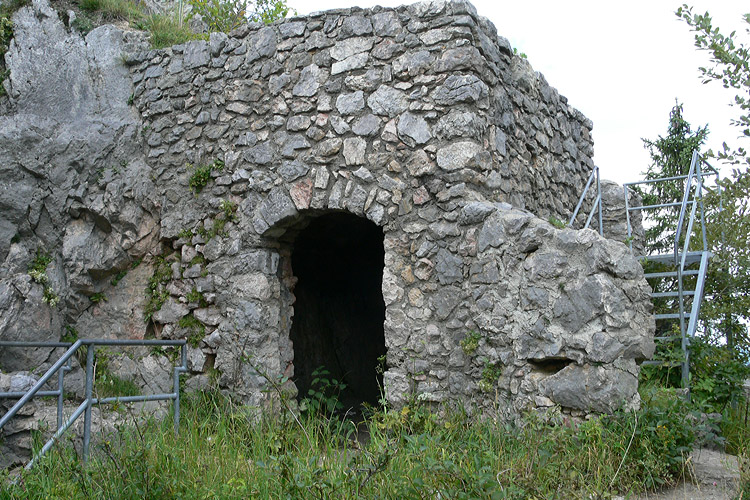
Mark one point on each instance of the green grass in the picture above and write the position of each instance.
(167, 31)
(226, 451)
(195, 329)
(109, 385)
(112, 10)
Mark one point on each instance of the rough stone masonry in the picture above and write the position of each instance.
(365, 190)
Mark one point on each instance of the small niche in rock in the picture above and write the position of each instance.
(549, 365)
(339, 309)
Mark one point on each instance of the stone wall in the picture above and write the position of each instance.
(194, 176)
(428, 95)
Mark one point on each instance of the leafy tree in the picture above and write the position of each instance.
(728, 309)
(226, 15)
(719, 356)
(730, 65)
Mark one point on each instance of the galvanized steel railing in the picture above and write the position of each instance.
(681, 256)
(597, 202)
(62, 365)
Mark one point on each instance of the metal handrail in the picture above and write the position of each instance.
(85, 407)
(597, 201)
(60, 376)
(683, 206)
(681, 256)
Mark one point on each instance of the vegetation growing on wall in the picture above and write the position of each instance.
(226, 15)
(202, 174)
(6, 34)
(156, 291)
(38, 272)
(195, 329)
(171, 28)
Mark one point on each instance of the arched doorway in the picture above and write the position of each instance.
(339, 310)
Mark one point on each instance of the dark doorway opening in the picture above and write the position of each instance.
(339, 310)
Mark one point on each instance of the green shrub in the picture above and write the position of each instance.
(156, 291)
(195, 329)
(229, 209)
(166, 31)
(225, 450)
(6, 34)
(90, 5)
(661, 438)
(107, 384)
(716, 375)
(226, 15)
(220, 15)
(202, 174)
(83, 24)
(470, 343)
(118, 277)
(557, 223)
(323, 395)
(70, 335)
(38, 272)
(490, 373)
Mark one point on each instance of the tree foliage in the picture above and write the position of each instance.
(728, 289)
(670, 157)
(730, 65)
(226, 15)
(720, 354)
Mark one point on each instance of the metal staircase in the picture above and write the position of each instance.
(677, 276)
(63, 365)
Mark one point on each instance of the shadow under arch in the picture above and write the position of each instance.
(334, 261)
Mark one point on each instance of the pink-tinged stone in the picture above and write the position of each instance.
(301, 193)
(421, 196)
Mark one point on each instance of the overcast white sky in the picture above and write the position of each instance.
(621, 63)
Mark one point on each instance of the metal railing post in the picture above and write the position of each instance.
(37, 387)
(60, 381)
(583, 196)
(627, 216)
(89, 400)
(176, 403)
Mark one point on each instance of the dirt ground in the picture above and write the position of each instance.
(713, 475)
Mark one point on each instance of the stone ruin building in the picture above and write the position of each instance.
(367, 190)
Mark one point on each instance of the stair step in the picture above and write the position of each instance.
(661, 363)
(660, 205)
(668, 338)
(670, 274)
(668, 316)
(668, 258)
(673, 294)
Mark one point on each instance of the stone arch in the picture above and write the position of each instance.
(331, 272)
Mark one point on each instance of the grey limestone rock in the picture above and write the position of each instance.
(461, 88)
(366, 125)
(413, 127)
(349, 104)
(387, 101)
(591, 387)
(309, 82)
(457, 155)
